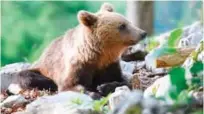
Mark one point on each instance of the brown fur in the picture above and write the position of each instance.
(88, 55)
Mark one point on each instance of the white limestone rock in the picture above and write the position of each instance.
(62, 103)
(8, 73)
(15, 100)
(119, 95)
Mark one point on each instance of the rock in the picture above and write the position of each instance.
(159, 70)
(14, 101)
(131, 99)
(135, 103)
(3, 97)
(119, 95)
(129, 68)
(190, 38)
(159, 88)
(191, 41)
(154, 60)
(134, 53)
(195, 27)
(198, 97)
(162, 85)
(191, 35)
(143, 78)
(8, 73)
(170, 60)
(63, 103)
(139, 65)
(14, 89)
(198, 55)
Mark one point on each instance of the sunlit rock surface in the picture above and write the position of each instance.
(8, 73)
(14, 101)
(190, 37)
(62, 103)
(162, 85)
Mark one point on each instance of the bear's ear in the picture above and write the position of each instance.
(107, 7)
(86, 18)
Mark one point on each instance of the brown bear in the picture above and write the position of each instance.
(87, 56)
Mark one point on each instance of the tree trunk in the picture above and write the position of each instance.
(140, 13)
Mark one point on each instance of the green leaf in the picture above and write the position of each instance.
(151, 43)
(197, 67)
(196, 80)
(99, 105)
(178, 81)
(174, 37)
(173, 93)
(77, 101)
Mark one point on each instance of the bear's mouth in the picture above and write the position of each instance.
(131, 42)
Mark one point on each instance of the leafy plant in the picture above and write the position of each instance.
(196, 68)
(151, 43)
(178, 81)
(174, 37)
(179, 90)
(99, 105)
(169, 46)
(77, 101)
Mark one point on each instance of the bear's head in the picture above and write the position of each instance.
(111, 26)
(112, 30)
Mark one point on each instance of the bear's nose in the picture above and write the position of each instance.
(143, 35)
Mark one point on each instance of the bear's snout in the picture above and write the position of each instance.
(143, 35)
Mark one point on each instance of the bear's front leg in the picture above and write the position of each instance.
(78, 80)
(106, 88)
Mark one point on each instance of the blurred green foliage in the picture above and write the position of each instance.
(179, 90)
(100, 105)
(174, 37)
(28, 27)
(177, 77)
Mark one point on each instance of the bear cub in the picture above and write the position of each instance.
(85, 58)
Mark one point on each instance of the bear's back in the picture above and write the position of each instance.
(51, 62)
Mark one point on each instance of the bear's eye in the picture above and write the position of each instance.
(122, 27)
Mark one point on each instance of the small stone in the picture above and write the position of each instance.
(8, 73)
(159, 88)
(15, 100)
(118, 96)
(198, 96)
(3, 97)
(8, 111)
(14, 88)
(130, 103)
(62, 103)
(127, 66)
